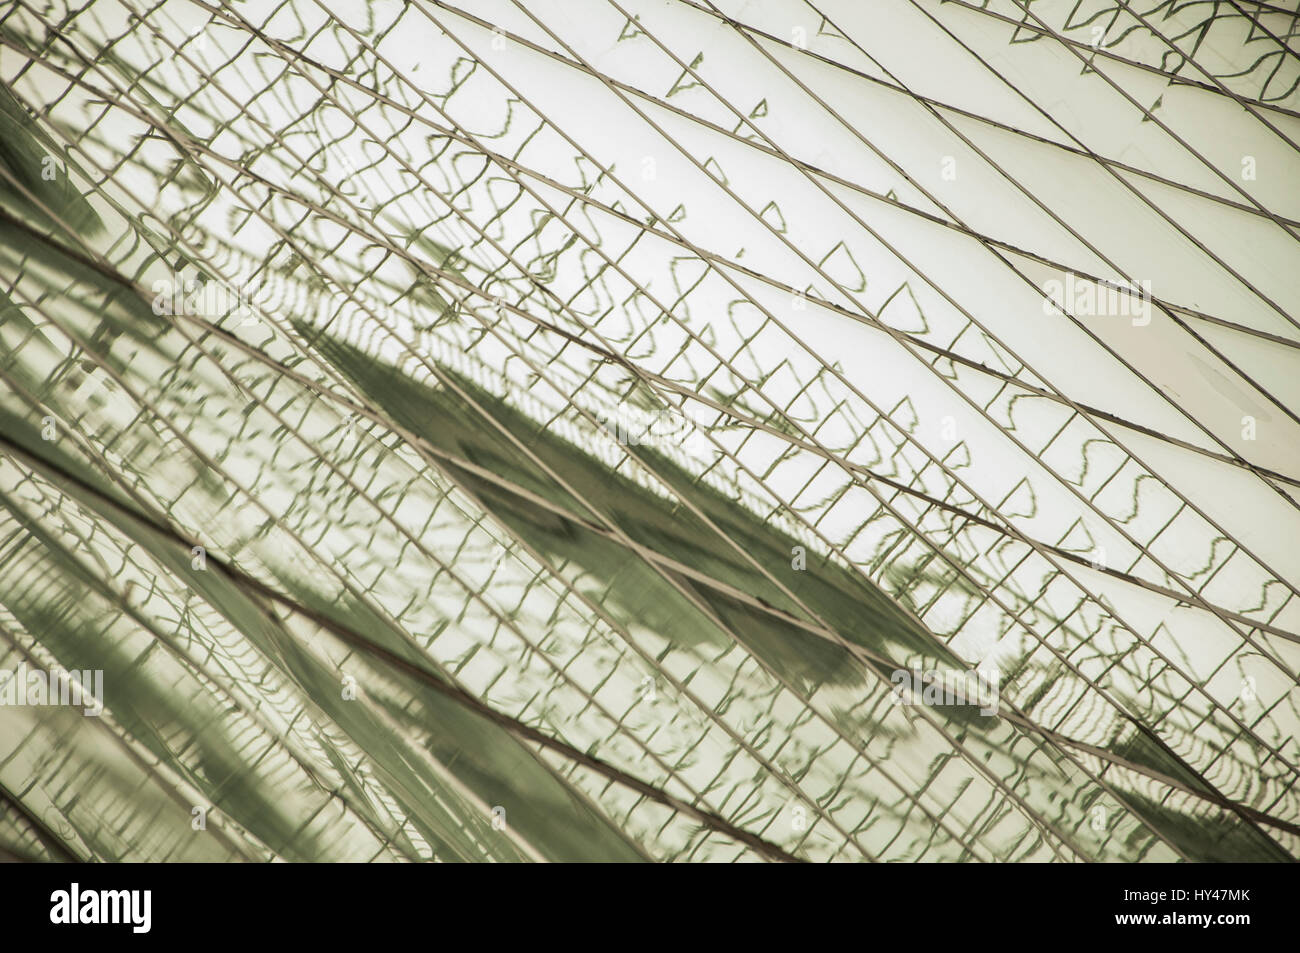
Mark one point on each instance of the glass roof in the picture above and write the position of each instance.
(550, 431)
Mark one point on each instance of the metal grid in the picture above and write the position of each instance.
(1023, 515)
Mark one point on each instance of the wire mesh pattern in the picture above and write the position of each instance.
(541, 431)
